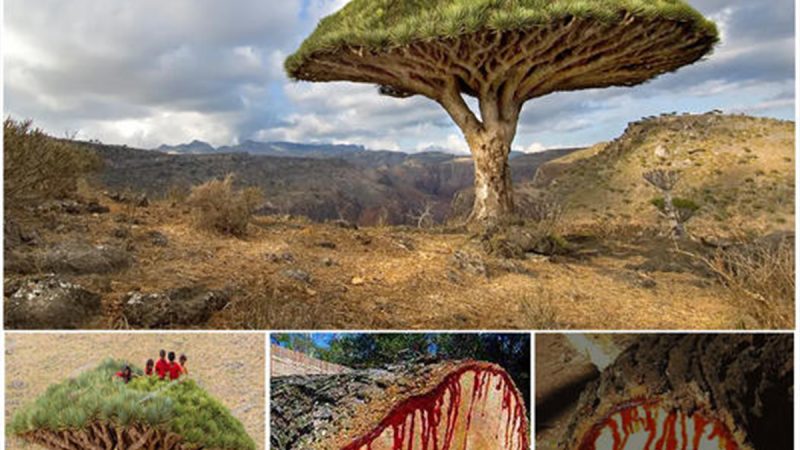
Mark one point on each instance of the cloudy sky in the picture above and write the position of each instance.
(148, 72)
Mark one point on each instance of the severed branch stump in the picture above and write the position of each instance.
(442, 406)
(692, 392)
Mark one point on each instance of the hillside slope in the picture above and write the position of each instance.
(739, 169)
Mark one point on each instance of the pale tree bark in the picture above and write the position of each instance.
(489, 139)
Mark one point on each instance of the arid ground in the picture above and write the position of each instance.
(608, 262)
(229, 367)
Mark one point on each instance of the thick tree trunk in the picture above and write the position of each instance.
(692, 392)
(494, 202)
(441, 406)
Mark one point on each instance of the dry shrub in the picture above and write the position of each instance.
(38, 167)
(760, 275)
(220, 207)
(538, 311)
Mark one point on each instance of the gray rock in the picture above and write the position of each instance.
(469, 262)
(285, 257)
(96, 208)
(50, 303)
(297, 274)
(83, 258)
(182, 306)
(158, 239)
(328, 262)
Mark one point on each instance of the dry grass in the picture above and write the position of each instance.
(391, 278)
(220, 207)
(760, 276)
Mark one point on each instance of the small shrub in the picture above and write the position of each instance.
(760, 274)
(38, 167)
(220, 207)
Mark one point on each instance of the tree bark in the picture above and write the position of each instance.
(686, 391)
(432, 406)
(494, 202)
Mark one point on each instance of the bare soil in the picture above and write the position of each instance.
(293, 274)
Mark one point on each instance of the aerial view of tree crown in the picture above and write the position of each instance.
(503, 53)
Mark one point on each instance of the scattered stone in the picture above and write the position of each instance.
(97, 208)
(50, 303)
(121, 233)
(297, 274)
(17, 384)
(16, 235)
(345, 224)
(404, 242)
(182, 306)
(469, 262)
(157, 238)
(328, 262)
(327, 244)
(142, 201)
(285, 257)
(357, 281)
(82, 258)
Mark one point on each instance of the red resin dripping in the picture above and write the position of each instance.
(627, 417)
(427, 409)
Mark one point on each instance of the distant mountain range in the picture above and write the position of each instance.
(294, 150)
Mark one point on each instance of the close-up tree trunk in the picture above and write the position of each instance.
(694, 392)
(440, 406)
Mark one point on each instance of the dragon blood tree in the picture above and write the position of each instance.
(690, 392)
(93, 411)
(443, 406)
(504, 53)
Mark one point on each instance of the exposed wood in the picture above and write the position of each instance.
(439, 406)
(732, 390)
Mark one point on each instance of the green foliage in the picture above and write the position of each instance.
(182, 407)
(677, 203)
(38, 167)
(379, 24)
(685, 204)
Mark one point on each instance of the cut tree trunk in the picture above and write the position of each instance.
(442, 406)
(494, 202)
(690, 392)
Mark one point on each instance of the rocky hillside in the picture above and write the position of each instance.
(738, 169)
(322, 183)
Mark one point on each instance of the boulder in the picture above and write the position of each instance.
(182, 306)
(50, 303)
(82, 258)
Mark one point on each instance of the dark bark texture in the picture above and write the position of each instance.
(743, 380)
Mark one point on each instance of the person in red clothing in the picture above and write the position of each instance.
(175, 369)
(125, 374)
(162, 366)
(148, 368)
